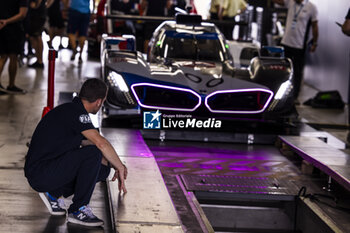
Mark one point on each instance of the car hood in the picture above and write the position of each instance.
(202, 77)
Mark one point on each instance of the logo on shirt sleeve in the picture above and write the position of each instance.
(85, 119)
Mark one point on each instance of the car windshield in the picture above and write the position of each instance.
(199, 47)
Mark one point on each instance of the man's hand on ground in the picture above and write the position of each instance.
(125, 171)
(2, 23)
(121, 175)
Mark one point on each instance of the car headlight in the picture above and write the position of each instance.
(284, 89)
(116, 80)
(283, 92)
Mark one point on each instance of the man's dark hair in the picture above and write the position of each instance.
(93, 89)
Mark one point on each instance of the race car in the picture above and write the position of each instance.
(189, 69)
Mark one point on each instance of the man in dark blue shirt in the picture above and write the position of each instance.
(67, 156)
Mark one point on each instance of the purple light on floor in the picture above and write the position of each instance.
(192, 160)
(226, 156)
(234, 185)
(239, 191)
(243, 168)
(172, 165)
(165, 87)
(236, 177)
(206, 166)
(209, 167)
(200, 172)
(210, 153)
(161, 159)
(215, 161)
(243, 162)
(142, 154)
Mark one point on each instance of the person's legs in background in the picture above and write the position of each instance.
(82, 31)
(3, 59)
(72, 29)
(228, 29)
(12, 71)
(73, 44)
(35, 35)
(26, 39)
(38, 46)
(298, 71)
(10, 47)
(297, 57)
(81, 40)
(56, 23)
(55, 31)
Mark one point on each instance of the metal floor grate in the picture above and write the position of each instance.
(238, 184)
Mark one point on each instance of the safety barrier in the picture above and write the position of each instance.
(51, 82)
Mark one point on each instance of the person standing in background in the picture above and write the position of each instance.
(152, 8)
(78, 24)
(228, 9)
(301, 13)
(176, 3)
(56, 20)
(37, 18)
(12, 12)
(214, 9)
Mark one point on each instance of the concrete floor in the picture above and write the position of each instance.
(334, 121)
(21, 207)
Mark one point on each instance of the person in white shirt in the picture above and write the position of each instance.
(295, 39)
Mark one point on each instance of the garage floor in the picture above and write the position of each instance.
(21, 207)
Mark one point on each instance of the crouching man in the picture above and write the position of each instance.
(67, 156)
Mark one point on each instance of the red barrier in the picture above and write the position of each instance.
(51, 82)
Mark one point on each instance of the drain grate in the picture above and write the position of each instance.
(238, 184)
